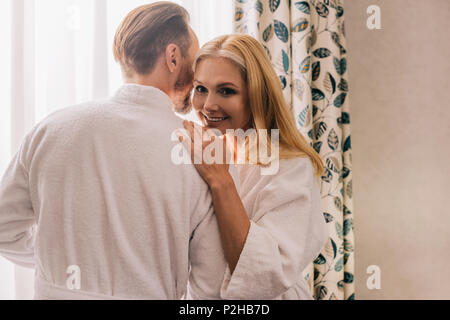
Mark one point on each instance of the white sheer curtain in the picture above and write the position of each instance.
(57, 53)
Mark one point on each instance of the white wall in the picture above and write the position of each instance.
(400, 96)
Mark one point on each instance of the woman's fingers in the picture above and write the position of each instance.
(189, 126)
(204, 138)
(185, 137)
(195, 134)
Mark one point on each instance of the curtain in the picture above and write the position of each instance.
(57, 53)
(305, 41)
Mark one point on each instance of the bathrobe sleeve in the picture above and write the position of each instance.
(17, 219)
(206, 258)
(287, 232)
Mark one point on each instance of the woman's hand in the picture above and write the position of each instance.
(212, 168)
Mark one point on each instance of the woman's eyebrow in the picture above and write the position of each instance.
(220, 85)
(225, 84)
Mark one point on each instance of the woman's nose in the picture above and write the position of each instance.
(211, 105)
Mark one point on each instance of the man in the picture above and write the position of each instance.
(92, 200)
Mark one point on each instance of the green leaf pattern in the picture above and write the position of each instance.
(305, 40)
(281, 31)
(268, 33)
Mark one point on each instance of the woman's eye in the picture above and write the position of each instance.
(227, 91)
(200, 89)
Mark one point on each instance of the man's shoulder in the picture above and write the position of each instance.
(76, 110)
(57, 121)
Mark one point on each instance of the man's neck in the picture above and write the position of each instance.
(154, 79)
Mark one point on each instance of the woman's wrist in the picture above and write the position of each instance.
(219, 183)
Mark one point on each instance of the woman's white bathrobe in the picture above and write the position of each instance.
(94, 186)
(287, 232)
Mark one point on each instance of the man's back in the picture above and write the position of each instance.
(109, 202)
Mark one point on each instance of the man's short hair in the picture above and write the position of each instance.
(146, 32)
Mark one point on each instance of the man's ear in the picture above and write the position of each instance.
(172, 57)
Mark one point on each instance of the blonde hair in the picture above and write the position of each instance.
(145, 33)
(265, 96)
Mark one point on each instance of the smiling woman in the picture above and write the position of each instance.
(270, 226)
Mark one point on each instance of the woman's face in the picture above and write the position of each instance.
(220, 95)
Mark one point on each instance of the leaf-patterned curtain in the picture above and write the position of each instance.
(305, 41)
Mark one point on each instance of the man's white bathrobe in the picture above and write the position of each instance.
(287, 232)
(93, 186)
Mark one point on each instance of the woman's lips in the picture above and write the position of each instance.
(211, 119)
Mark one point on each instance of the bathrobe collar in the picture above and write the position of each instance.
(131, 93)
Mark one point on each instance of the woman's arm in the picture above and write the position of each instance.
(232, 218)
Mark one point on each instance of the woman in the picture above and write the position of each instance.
(271, 226)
